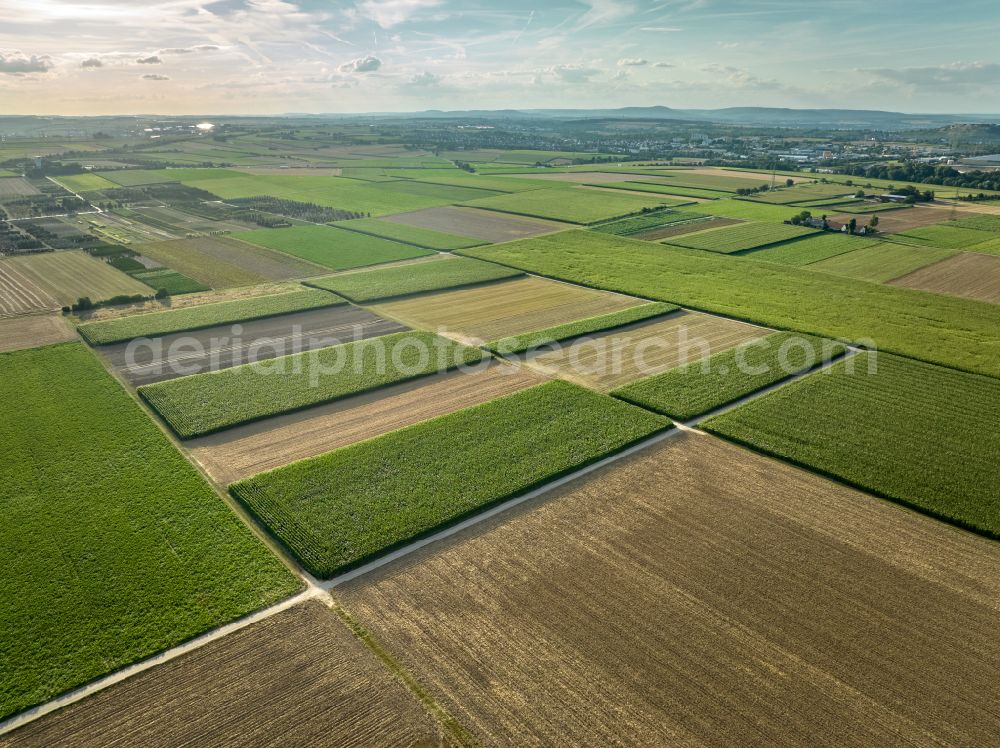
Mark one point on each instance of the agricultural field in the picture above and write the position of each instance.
(811, 249)
(96, 585)
(891, 426)
(881, 261)
(33, 331)
(63, 276)
(400, 232)
(204, 403)
(644, 223)
(746, 210)
(696, 592)
(482, 225)
(952, 237)
(388, 283)
(16, 187)
(509, 308)
(894, 221)
(104, 332)
(697, 388)
(742, 237)
(680, 228)
(85, 182)
(982, 222)
(334, 248)
(298, 677)
(866, 207)
(606, 362)
(243, 451)
(452, 193)
(577, 205)
(165, 279)
(710, 180)
(367, 498)
(802, 193)
(221, 262)
(967, 274)
(960, 333)
(670, 191)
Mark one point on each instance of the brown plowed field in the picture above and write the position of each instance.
(892, 221)
(33, 331)
(698, 594)
(974, 276)
(484, 225)
(298, 678)
(247, 450)
(510, 307)
(604, 362)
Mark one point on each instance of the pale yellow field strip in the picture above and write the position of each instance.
(33, 331)
(497, 310)
(695, 593)
(20, 292)
(66, 276)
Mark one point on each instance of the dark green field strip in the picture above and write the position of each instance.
(204, 403)
(979, 222)
(810, 249)
(689, 391)
(332, 247)
(740, 237)
(960, 333)
(112, 546)
(208, 315)
(415, 235)
(921, 434)
(604, 322)
(645, 222)
(389, 283)
(169, 280)
(345, 507)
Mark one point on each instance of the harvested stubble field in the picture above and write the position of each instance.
(152, 324)
(696, 593)
(967, 274)
(918, 433)
(342, 508)
(415, 235)
(513, 307)
(300, 677)
(16, 187)
(204, 403)
(337, 249)
(392, 282)
(742, 237)
(244, 451)
(881, 261)
(961, 333)
(895, 221)
(219, 262)
(811, 249)
(605, 362)
(113, 547)
(63, 276)
(576, 205)
(32, 331)
(483, 225)
(689, 391)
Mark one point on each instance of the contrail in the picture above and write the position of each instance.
(531, 17)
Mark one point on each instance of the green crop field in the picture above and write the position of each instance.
(710, 181)
(689, 391)
(112, 546)
(153, 324)
(863, 207)
(498, 184)
(331, 247)
(339, 509)
(881, 261)
(918, 433)
(137, 177)
(447, 192)
(981, 222)
(85, 182)
(961, 333)
(601, 323)
(575, 205)
(809, 192)
(415, 235)
(203, 403)
(636, 224)
(952, 236)
(168, 280)
(663, 189)
(744, 209)
(387, 283)
(738, 238)
(811, 249)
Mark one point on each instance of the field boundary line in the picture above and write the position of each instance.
(82, 692)
(330, 584)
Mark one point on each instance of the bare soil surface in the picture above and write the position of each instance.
(699, 594)
(892, 221)
(215, 348)
(484, 225)
(33, 331)
(247, 450)
(969, 274)
(298, 678)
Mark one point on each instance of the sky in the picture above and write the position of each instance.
(281, 56)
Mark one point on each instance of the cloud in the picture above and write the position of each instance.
(602, 12)
(92, 62)
(16, 63)
(575, 73)
(151, 60)
(155, 77)
(189, 50)
(661, 29)
(632, 62)
(425, 79)
(389, 13)
(955, 77)
(663, 65)
(368, 64)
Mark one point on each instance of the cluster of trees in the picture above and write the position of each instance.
(13, 241)
(266, 204)
(743, 191)
(915, 171)
(806, 217)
